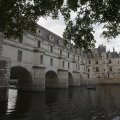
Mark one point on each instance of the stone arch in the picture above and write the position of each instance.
(70, 79)
(23, 76)
(51, 79)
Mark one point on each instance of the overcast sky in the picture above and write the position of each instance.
(58, 26)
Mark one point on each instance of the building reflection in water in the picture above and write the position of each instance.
(63, 104)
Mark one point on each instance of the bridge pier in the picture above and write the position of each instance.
(4, 76)
(63, 78)
(4, 73)
(38, 78)
(76, 78)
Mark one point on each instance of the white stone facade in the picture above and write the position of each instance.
(104, 66)
(42, 60)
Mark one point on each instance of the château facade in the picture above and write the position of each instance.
(42, 60)
(105, 65)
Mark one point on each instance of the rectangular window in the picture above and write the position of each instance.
(68, 55)
(110, 68)
(51, 49)
(60, 51)
(97, 69)
(51, 62)
(96, 62)
(39, 44)
(68, 65)
(63, 64)
(89, 62)
(19, 56)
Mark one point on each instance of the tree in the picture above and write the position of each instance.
(17, 16)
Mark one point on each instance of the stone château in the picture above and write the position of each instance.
(42, 60)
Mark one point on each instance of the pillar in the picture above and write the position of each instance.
(38, 78)
(76, 78)
(63, 78)
(4, 73)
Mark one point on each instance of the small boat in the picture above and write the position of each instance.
(91, 88)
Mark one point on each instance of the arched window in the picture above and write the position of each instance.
(41, 59)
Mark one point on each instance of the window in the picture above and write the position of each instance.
(97, 69)
(68, 65)
(68, 55)
(39, 44)
(88, 76)
(51, 49)
(41, 59)
(19, 56)
(110, 61)
(39, 31)
(118, 62)
(63, 64)
(51, 62)
(88, 70)
(89, 62)
(76, 66)
(60, 51)
(78, 58)
(110, 68)
(96, 62)
(84, 68)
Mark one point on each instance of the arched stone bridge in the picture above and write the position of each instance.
(42, 60)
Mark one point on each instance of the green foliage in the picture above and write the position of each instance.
(17, 16)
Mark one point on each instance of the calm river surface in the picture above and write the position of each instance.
(63, 104)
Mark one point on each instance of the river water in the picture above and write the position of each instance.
(63, 104)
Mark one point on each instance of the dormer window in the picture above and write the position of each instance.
(60, 42)
(39, 32)
(68, 46)
(51, 38)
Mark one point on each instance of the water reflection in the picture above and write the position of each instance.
(63, 104)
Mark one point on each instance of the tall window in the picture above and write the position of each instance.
(97, 69)
(51, 49)
(96, 62)
(41, 59)
(76, 66)
(68, 55)
(63, 64)
(110, 68)
(19, 56)
(51, 61)
(39, 44)
(68, 65)
(110, 61)
(60, 51)
(89, 62)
